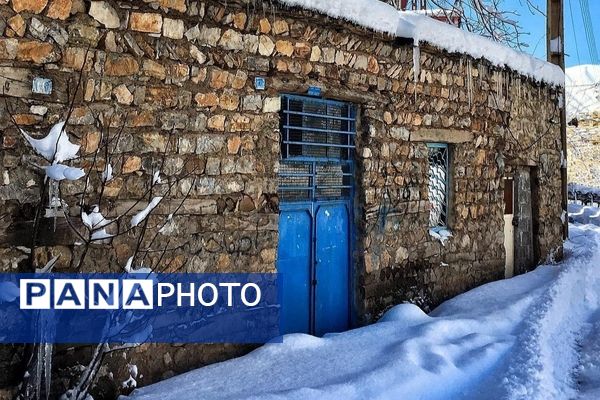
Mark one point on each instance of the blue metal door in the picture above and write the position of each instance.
(316, 186)
(332, 268)
(294, 264)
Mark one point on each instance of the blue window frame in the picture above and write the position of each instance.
(317, 149)
(439, 184)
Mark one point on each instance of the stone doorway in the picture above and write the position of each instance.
(523, 225)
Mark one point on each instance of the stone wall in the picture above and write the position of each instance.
(179, 75)
(498, 122)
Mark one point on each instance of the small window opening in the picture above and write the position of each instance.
(439, 183)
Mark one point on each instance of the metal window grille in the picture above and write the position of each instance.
(317, 148)
(438, 184)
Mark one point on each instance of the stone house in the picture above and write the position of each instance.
(368, 170)
(583, 128)
(583, 140)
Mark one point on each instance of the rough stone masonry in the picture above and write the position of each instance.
(179, 74)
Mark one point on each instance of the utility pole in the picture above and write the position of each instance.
(555, 48)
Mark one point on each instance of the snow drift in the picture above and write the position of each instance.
(584, 214)
(513, 339)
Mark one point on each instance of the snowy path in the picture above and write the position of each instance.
(536, 336)
(588, 373)
(545, 359)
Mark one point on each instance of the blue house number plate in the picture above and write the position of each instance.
(41, 85)
(260, 83)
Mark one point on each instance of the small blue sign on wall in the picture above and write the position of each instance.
(260, 83)
(314, 91)
(41, 85)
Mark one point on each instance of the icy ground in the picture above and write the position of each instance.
(535, 336)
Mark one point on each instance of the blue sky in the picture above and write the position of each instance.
(536, 26)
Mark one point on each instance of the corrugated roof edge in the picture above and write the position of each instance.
(382, 17)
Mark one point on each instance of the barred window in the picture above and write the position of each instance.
(317, 129)
(317, 149)
(438, 184)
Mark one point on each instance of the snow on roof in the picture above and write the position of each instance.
(583, 90)
(382, 17)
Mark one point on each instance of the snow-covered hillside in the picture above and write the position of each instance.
(583, 90)
(536, 336)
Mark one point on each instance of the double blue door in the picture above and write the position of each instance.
(316, 186)
(314, 263)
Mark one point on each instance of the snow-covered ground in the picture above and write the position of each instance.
(536, 336)
(584, 214)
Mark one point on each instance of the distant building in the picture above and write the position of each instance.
(583, 130)
(450, 16)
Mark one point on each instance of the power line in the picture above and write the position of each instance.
(589, 30)
(586, 26)
(574, 33)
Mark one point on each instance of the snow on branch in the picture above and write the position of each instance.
(107, 174)
(142, 215)
(56, 146)
(59, 172)
(140, 270)
(96, 223)
(156, 178)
